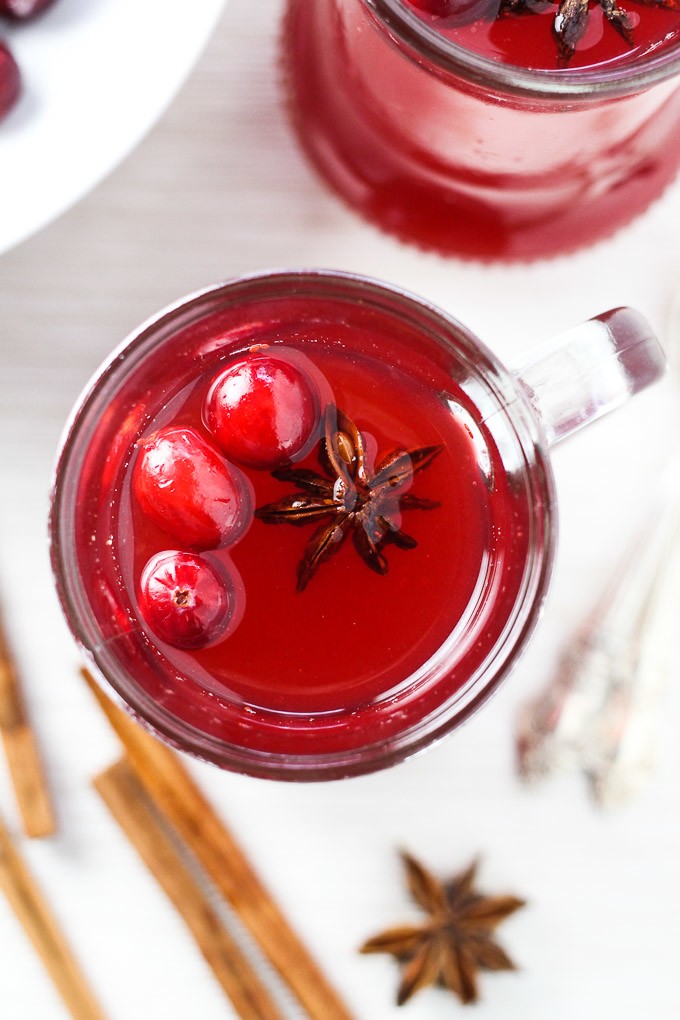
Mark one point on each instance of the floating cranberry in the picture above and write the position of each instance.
(10, 80)
(185, 599)
(440, 8)
(263, 410)
(21, 10)
(188, 489)
(458, 12)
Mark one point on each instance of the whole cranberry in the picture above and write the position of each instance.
(263, 410)
(183, 484)
(185, 599)
(458, 12)
(440, 8)
(21, 10)
(10, 80)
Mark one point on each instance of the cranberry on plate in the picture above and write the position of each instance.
(22, 10)
(10, 80)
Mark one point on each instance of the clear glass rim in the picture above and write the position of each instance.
(102, 662)
(585, 85)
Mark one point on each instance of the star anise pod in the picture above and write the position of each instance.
(572, 16)
(350, 496)
(457, 939)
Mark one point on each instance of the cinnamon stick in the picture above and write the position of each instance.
(170, 786)
(32, 911)
(21, 749)
(129, 804)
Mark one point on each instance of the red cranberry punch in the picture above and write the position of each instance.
(303, 523)
(498, 129)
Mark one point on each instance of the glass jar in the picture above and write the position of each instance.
(467, 156)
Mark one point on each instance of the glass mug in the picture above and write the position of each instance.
(467, 156)
(418, 430)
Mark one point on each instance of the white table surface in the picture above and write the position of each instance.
(217, 189)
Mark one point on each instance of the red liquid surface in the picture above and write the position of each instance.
(355, 656)
(527, 40)
(468, 170)
(351, 634)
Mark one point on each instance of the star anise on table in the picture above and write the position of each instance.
(350, 496)
(457, 939)
(572, 16)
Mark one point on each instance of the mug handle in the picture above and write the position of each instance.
(581, 374)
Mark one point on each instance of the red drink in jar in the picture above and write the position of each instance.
(473, 133)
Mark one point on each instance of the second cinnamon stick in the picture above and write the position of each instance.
(127, 801)
(171, 787)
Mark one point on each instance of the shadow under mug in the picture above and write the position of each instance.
(511, 417)
(468, 156)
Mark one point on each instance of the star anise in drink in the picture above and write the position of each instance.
(349, 495)
(457, 939)
(572, 16)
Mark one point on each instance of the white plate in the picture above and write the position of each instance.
(97, 74)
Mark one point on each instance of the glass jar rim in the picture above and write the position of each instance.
(407, 29)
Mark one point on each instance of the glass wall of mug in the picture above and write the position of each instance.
(423, 506)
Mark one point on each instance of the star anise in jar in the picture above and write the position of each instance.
(457, 939)
(572, 16)
(350, 496)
